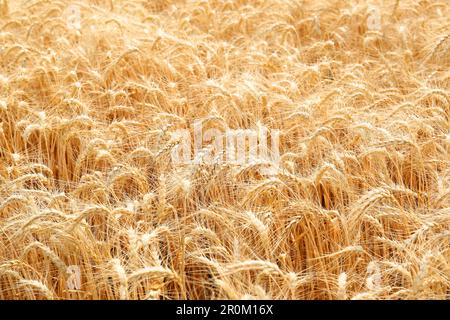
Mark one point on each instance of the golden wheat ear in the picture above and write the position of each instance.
(4, 8)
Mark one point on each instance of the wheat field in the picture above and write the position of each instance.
(92, 91)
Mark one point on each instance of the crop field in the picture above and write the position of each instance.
(224, 149)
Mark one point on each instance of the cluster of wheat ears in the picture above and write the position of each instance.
(359, 207)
